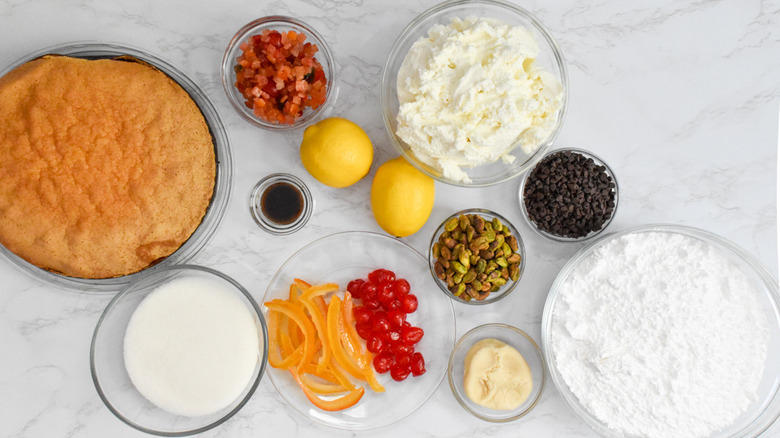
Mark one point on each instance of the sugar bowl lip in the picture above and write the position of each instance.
(587, 154)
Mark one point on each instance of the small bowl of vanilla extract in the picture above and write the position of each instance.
(281, 204)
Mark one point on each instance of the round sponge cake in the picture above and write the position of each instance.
(106, 166)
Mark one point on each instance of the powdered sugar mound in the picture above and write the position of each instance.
(660, 335)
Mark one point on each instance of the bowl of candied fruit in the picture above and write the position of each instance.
(279, 73)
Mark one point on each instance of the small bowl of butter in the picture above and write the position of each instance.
(496, 372)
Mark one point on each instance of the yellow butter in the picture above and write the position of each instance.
(496, 375)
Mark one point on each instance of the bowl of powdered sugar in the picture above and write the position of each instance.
(666, 331)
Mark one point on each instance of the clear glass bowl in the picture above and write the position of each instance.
(279, 23)
(550, 58)
(222, 186)
(267, 224)
(765, 410)
(340, 258)
(513, 337)
(555, 237)
(506, 289)
(107, 358)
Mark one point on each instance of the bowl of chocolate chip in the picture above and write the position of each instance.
(570, 195)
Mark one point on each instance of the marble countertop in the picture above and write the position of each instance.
(679, 97)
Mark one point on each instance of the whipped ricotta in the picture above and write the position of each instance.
(471, 91)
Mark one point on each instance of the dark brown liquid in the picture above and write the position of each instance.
(282, 203)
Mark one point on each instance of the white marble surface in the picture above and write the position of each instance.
(679, 97)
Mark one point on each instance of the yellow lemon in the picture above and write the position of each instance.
(336, 152)
(401, 197)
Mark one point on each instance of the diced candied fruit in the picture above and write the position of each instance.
(278, 76)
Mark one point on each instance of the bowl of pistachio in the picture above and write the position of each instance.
(476, 256)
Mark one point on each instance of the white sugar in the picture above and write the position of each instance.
(660, 335)
(191, 346)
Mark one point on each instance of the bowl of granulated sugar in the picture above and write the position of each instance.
(666, 331)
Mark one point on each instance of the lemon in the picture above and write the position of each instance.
(401, 197)
(336, 152)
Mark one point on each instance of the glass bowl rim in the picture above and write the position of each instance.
(370, 234)
(223, 182)
(587, 154)
(262, 361)
(713, 239)
(513, 330)
(501, 294)
(262, 23)
(407, 32)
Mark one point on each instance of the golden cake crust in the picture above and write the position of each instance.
(106, 166)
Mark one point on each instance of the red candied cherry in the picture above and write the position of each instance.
(372, 304)
(402, 350)
(353, 287)
(362, 315)
(396, 317)
(392, 336)
(380, 276)
(411, 335)
(368, 291)
(373, 276)
(364, 331)
(380, 323)
(399, 373)
(418, 364)
(385, 295)
(401, 287)
(409, 303)
(387, 276)
(387, 347)
(383, 362)
(393, 305)
(404, 360)
(375, 344)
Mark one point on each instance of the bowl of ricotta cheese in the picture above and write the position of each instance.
(474, 92)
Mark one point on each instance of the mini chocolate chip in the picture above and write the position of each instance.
(569, 195)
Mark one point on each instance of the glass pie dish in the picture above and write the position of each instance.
(222, 185)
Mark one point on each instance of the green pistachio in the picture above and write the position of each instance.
(451, 224)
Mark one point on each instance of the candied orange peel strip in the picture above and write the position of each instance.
(335, 332)
(295, 313)
(338, 404)
(317, 343)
